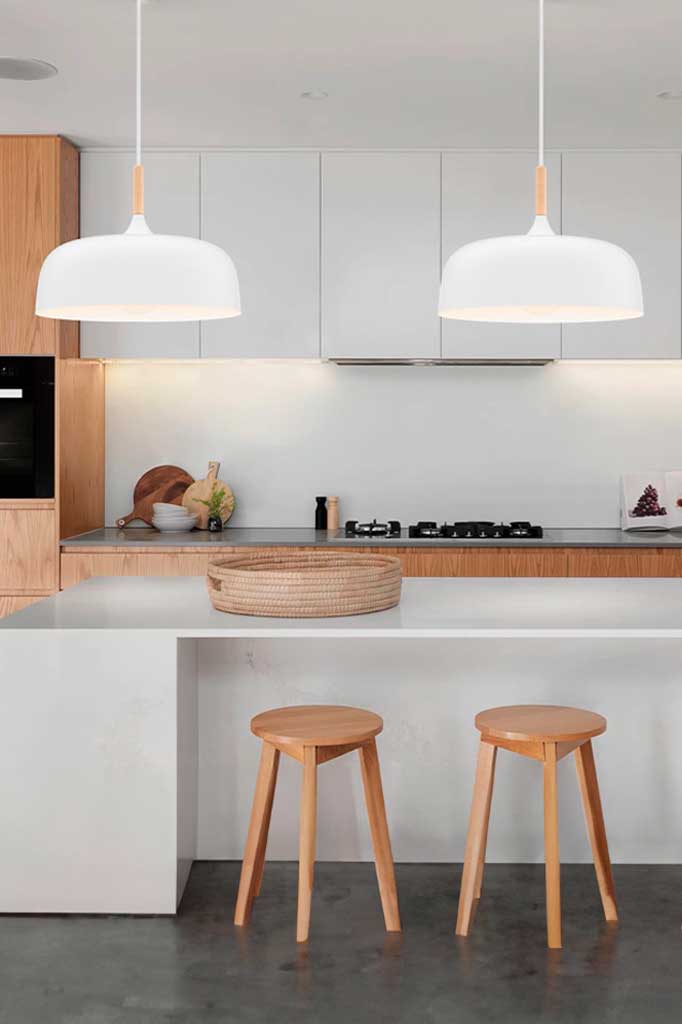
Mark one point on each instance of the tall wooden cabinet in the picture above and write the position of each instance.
(38, 211)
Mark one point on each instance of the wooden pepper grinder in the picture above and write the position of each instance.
(332, 514)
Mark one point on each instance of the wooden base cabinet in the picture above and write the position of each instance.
(28, 554)
(79, 564)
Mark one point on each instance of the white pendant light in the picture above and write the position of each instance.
(138, 276)
(540, 277)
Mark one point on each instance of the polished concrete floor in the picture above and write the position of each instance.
(198, 969)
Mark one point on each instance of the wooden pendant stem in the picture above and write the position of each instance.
(138, 189)
(541, 190)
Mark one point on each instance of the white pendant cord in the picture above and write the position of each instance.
(541, 82)
(138, 170)
(138, 92)
(541, 224)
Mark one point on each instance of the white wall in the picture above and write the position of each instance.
(428, 693)
(544, 443)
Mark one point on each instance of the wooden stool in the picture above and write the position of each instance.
(313, 735)
(547, 734)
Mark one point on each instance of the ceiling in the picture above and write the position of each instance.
(437, 73)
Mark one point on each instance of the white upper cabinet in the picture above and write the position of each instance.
(172, 207)
(485, 195)
(632, 199)
(264, 210)
(380, 255)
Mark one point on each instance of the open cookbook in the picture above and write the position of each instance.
(651, 501)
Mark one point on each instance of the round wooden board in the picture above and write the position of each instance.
(201, 490)
(161, 483)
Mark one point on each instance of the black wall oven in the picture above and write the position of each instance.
(27, 427)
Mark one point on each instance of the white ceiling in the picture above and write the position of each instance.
(433, 73)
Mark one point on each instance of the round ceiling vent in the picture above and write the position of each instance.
(25, 69)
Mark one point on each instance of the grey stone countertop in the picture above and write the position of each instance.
(146, 537)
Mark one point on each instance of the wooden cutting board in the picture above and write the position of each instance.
(162, 483)
(202, 491)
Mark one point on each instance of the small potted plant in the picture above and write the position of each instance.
(216, 506)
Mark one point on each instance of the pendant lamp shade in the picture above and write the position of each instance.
(138, 276)
(540, 278)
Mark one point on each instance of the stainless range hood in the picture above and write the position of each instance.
(440, 362)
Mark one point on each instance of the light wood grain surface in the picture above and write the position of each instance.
(546, 723)
(317, 725)
(39, 209)
(28, 554)
(80, 424)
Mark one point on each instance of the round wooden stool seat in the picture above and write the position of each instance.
(317, 725)
(540, 723)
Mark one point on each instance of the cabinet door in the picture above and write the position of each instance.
(264, 210)
(28, 556)
(486, 195)
(38, 211)
(380, 255)
(632, 199)
(172, 208)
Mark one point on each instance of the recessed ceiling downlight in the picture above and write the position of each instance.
(26, 69)
(670, 94)
(315, 94)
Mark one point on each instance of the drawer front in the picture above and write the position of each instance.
(76, 567)
(28, 554)
(645, 562)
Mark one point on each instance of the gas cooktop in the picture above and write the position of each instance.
(479, 529)
(431, 530)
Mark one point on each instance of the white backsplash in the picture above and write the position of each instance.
(542, 443)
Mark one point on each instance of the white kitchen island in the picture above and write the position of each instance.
(125, 750)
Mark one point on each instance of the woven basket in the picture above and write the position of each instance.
(304, 584)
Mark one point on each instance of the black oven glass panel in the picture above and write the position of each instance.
(26, 427)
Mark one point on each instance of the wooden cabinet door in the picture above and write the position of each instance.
(28, 554)
(633, 200)
(38, 211)
(171, 208)
(486, 195)
(264, 210)
(380, 255)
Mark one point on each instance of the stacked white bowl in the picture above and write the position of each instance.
(172, 518)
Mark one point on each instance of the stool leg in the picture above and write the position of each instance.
(552, 865)
(381, 840)
(306, 856)
(262, 847)
(257, 834)
(589, 790)
(484, 844)
(480, 807)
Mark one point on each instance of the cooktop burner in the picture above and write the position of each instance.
(475, 529)
(373, 529)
